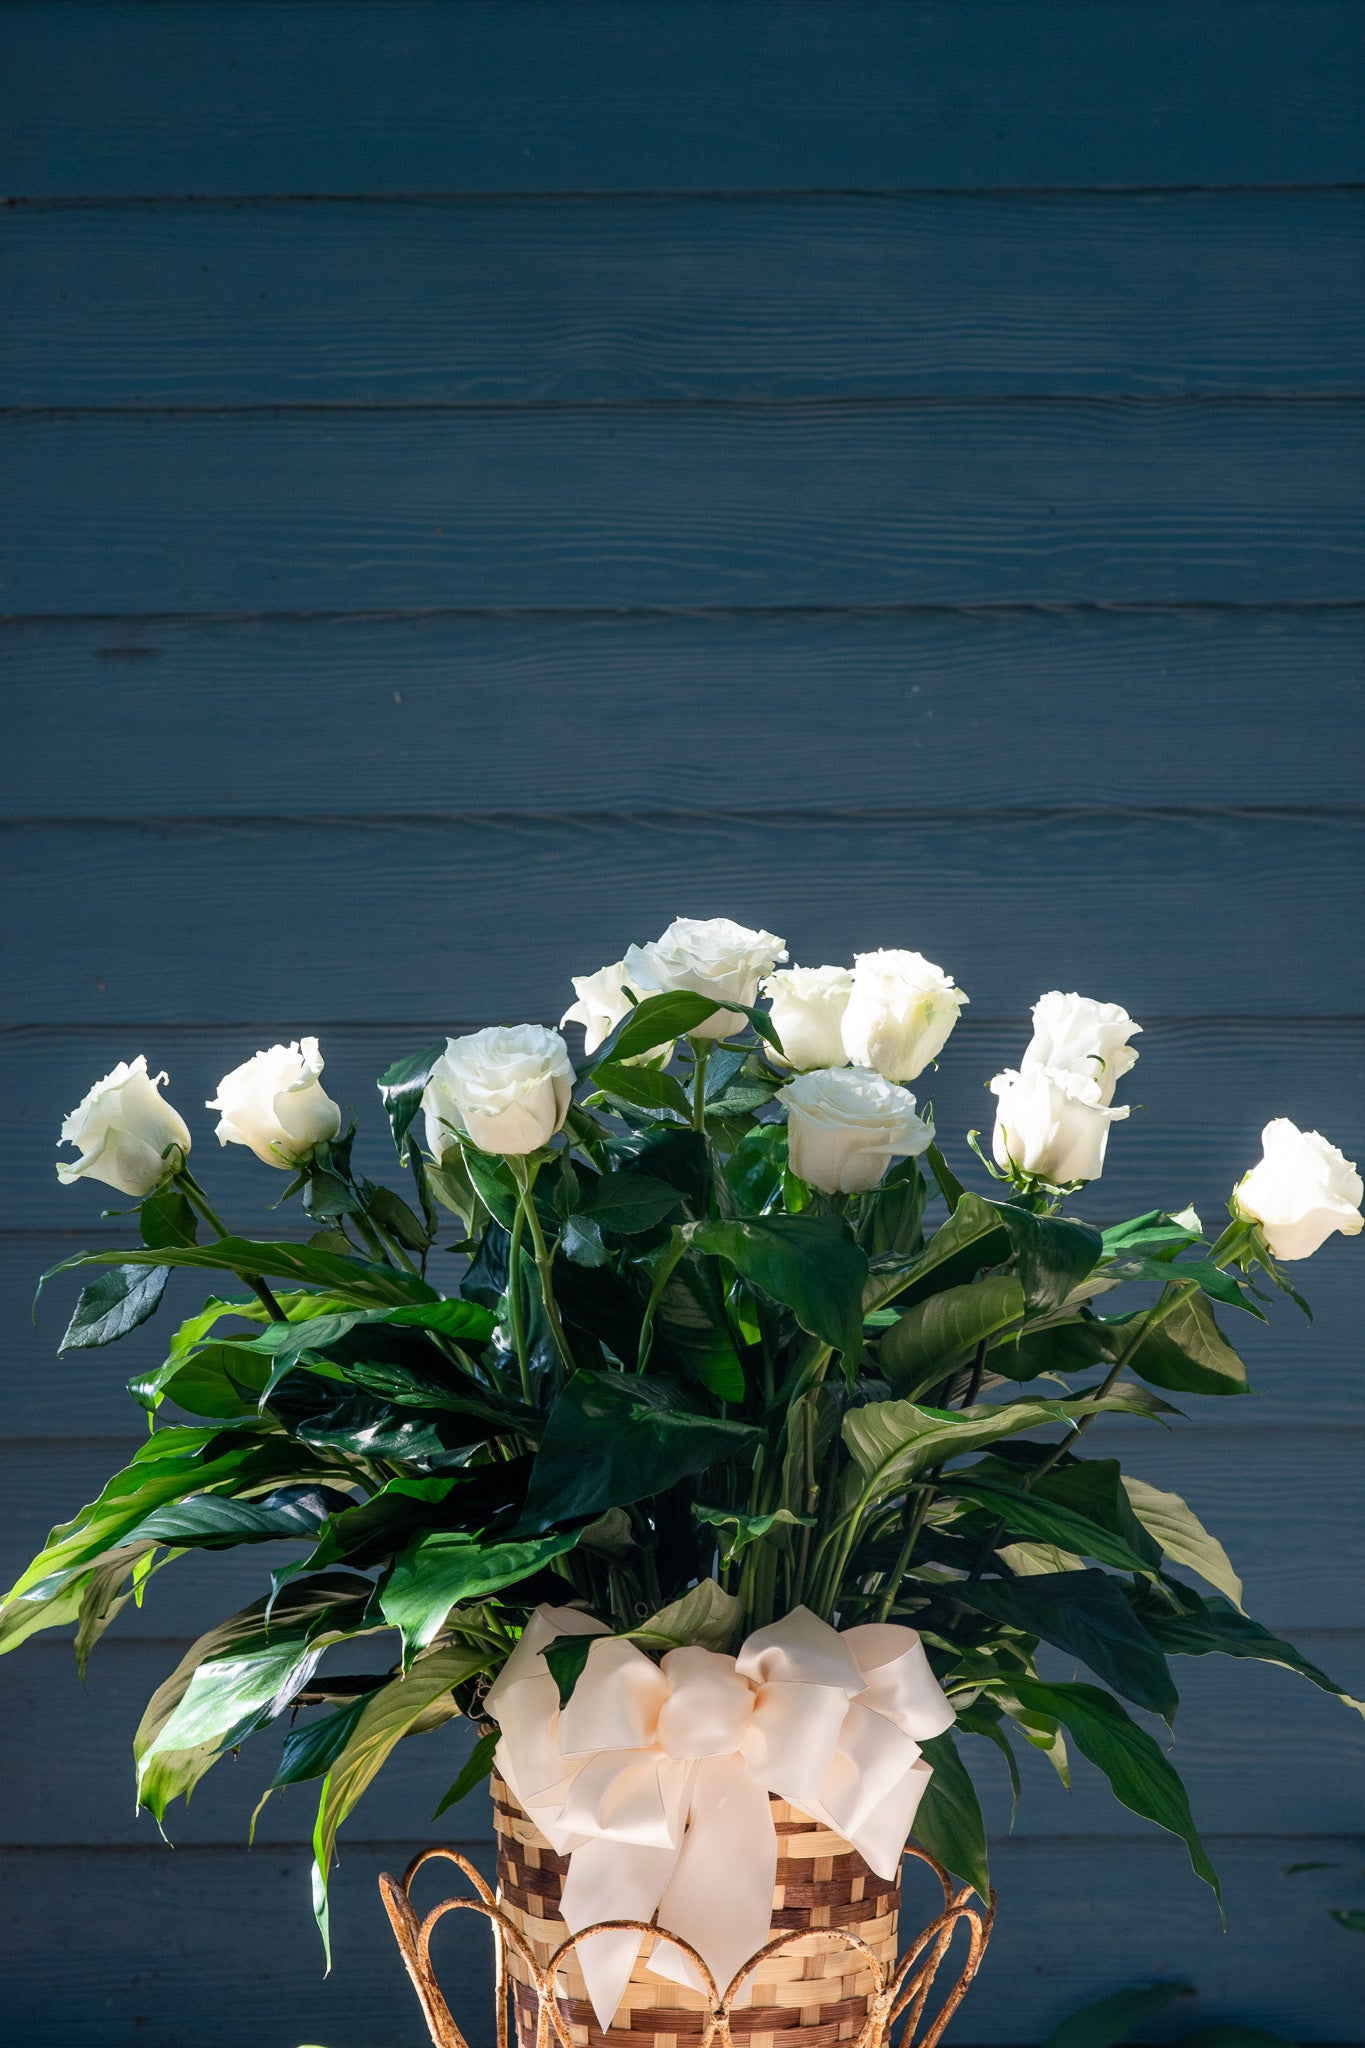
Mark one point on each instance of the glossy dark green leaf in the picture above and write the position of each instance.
(353, 1279)
(627, 1203)
(167, 1218)
(1054, 1255)
(754, 1170)
(1149, 1233)
(567, 1659)
(893, 1441)
(1087, 1615)
(115, 1304)
(477, 1767)
(739, 1530)
(1185, 1351)
(946, 1328)
(613, 1438)
(972, 1239)
(646, 1088)
(1138, 1773)
(392, 1213)
(444, 1567)
(1110, 2020)
(1206, 1623)
(657, 1020)
(1034, 1515)
(693, 1330)
(311, 1750)
(948, 1822)
(401, 1089)
(1066, 1348)
(215, 1521)
(1094, 1487)
(809, 1264)
(893, 1213)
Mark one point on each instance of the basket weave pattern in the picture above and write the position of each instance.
(817, 1983)
(829, 1974)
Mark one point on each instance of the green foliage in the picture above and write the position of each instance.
(667, 1383)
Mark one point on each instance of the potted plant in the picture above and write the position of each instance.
(731, 1473)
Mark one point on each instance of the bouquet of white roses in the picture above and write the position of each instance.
(726, 1355)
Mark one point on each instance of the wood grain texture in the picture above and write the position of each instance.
(834, 297)
(762, 711)
(943, 502)
(337, 920)
(152, 1943)
(1261, 1752)
(1300, 1551)
(682, 94)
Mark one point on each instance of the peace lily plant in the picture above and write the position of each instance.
(717, 1343)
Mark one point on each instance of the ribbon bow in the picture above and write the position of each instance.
(654, 1779)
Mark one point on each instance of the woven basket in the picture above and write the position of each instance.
(818, 1984)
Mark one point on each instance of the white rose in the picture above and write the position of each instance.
(845, 1125)
(1073, 1034)
(508, 1087)
(1302, 1190)
(1052, 1124)
(124, 1130)
(602, 1003)
(900, 1013)
(275, 1103)
(710, 956)
(808, 1005)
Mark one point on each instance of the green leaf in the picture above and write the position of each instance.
(949, 1186)
(894, 1441)
(1351, 1920)
(1183, 1537)
(644, 1088)
(353, 1279)
(688, 1307)
(476, 1769)
(612, 1439)
(705, 1616)
(1138, 1773)
(1054, 1255)
(236, 1678)
(659, 1019)
(1110, 2019)
(566, 1659)
(809, 1264)
(754, 1170)
(115, 1304)
(310, 1751)
(1152, 1232)
(748, 1529)
(972, 1238)
(1085, 1614)
(167, 1218)
(1186, 1351)
(215, 1521)
(1036, 1516)
(918, 1350)
(401, 1089)
(627, 1203)
(893, 1213)
(948, 1823)
(439, 1570)
(388, 1715)
(1203, 1625)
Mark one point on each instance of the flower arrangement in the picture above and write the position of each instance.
(735, 1411)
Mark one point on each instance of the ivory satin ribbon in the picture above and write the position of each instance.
(654, 1779)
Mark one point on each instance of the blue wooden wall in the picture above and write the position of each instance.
(482, 479)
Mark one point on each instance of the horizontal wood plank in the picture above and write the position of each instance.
(1299, 1548)
(499, 95)
(821, 296)
(937, 503)
(763, 711)
(157, 1946)
(1260, 1751)
(338, 920)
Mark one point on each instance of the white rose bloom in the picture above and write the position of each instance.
(1073, 1034)
(845, 1125)
(711, 956)
(1302, 1190)
(1051, 1123)
(808, 1005)
(602, 1003)
(123, 1130)
(508, 1087)
(900, 1013)
(276, 1104)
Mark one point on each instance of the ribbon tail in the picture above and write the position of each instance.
(720, 1894)
(610, 1880)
